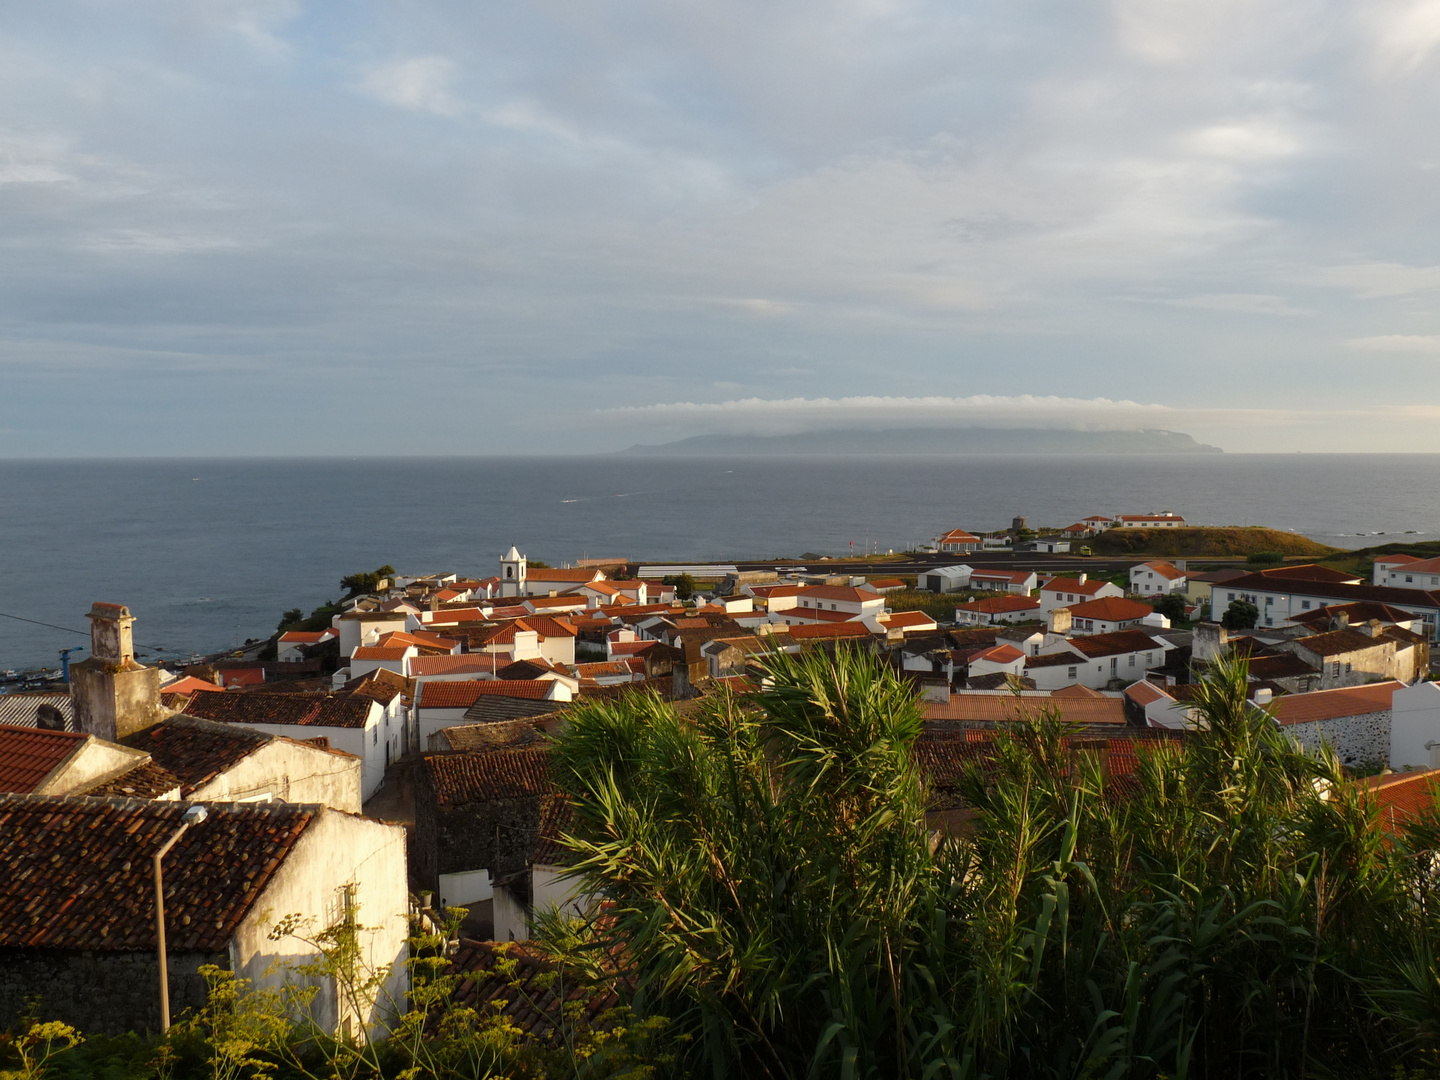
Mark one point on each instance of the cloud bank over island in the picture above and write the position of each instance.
(235, 227)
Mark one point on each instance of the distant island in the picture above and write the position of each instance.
(936, 441)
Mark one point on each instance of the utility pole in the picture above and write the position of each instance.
(193, 816)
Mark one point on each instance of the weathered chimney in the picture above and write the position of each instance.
(1059, 621)
(112, 695)
(1209, 641)
(1339, 621)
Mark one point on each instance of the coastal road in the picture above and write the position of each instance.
(1068, 565)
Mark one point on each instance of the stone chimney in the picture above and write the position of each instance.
(112, 695)
(1373, 628)
(1210, 641)
(1059, 621)
(1339, 621)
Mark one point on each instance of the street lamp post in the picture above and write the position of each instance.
(193, 816)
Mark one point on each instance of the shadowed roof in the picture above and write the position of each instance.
(76, 873)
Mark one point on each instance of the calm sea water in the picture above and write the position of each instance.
(207, 553)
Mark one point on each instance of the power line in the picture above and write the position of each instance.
(71, 630)
(52, 626)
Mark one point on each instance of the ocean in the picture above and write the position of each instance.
(207, 553)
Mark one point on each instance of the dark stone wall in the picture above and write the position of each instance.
(498, 835)
(99, 993)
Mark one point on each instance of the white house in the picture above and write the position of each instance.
(1415, 727)
(291, 646)
(351, 722)
(997, 609)
(444, 704)
(1020, 582)
(1061, 592)
(367, 658)
(844, 598)
(1108, 615)
(358, 628)
(1161, 709)
(958, 541)
(1415, 574)
(1383, 564)
(231, 878)
(1164, 520)
(1156, 579)
(1001, 657)
(1096, 660)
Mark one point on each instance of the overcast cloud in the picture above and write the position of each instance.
(271, 226)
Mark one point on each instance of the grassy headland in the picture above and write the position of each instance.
(1207, 542)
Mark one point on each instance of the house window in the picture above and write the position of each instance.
(1335, 669)
(1304, 605)
(1232, 596)
(1269, 600)
(1347, 669)
(1070, 673)
(375, 736)
(1149, 659)
(1131, 661)
(1409, 578)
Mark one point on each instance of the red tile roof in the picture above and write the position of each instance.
(1121, 641)
(1397, 560)
(1339, 642)
(999, 654)
(545, 574)
(1169, 571)
(1111, 609)
(196, 751)
(453, 665)
(190, 684)
(460, 779)
(1018, 577)
(1334, 704)
(1074, 585)
(1399, 797)
(76, 873)
(839, 592)
(998, 708)
(828, 631)
(454, 615)
(287, 710)
(464, 693)
(999, 605)
(902, 620)
(380, 652)
(305, 637)
(28, 755)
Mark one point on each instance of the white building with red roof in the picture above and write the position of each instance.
(291, 645)
(958, 541)
(1380, 569)
(1002, 658)
(1061, 592)
(1414, 574)
(1108, 615)
(1156, 578)
(1020, 582)
(997, 609)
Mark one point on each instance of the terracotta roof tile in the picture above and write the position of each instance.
(1000, 708)
(1111, 609)
(196, 751)
(289, 710)
(464, 693)
(511, 978)
(1000, 605)
(28, 755)
(146, 781)
(1334, 704)
(76, 873)
(460, 779)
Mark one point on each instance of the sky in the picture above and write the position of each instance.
(236, 227)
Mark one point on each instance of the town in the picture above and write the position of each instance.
(395, 759)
